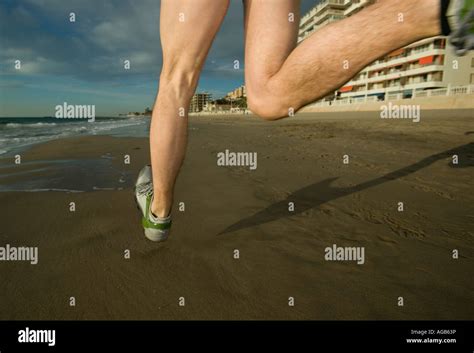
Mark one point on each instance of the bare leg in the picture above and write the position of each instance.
(187, 29)
(279, 76)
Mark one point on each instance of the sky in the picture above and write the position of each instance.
(81, 62)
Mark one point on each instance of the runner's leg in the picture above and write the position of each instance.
(187, 29)
(280, 77)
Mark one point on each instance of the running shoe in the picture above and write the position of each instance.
(460, 16)
(156, 228)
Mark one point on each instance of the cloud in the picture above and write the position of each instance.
(92, 50)
(38, 33)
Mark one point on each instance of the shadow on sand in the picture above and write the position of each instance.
(321, 192)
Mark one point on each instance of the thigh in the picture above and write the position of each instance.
(187, 29)
(271, 33)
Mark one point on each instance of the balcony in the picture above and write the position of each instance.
(356, 7)
(336, 4)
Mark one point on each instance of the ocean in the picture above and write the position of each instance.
(16, 134)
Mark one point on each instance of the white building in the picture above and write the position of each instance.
(199, 101)
(239, 92)
(324, 13)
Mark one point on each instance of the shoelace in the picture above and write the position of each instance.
(145, 189)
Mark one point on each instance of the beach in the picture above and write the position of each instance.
(250, 243)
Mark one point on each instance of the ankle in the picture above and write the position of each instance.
(161, 205)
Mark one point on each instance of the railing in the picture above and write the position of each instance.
(394, 96)
(462, 90)
(438, 92)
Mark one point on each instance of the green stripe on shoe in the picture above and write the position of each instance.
(468, 7)
(147, 223)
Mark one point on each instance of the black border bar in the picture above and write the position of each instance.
(318, 336)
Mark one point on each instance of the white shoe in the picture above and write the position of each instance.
(156, 228)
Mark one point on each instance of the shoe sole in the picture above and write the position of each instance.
(155, 237)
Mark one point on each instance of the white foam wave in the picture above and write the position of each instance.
(35, 125)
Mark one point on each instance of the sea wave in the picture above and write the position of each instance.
(35, 125)
(16, 136)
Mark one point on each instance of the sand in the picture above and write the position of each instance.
(408, 254)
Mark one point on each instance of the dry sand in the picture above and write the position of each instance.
(407, 254)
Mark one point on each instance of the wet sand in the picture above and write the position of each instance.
(408, 254)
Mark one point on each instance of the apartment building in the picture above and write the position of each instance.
(324, 13)
(239, 92)
(199, 101)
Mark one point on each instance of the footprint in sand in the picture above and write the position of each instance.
(425, 188)
(401, 230)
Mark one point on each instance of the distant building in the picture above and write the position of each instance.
(199, 101)
(424, 65)
(223, 108)
(209, 106)
(147, 112)
(216, 107)
(239, 92)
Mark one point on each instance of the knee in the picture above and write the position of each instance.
(268, 100)
(180, 76)
(267, 107)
